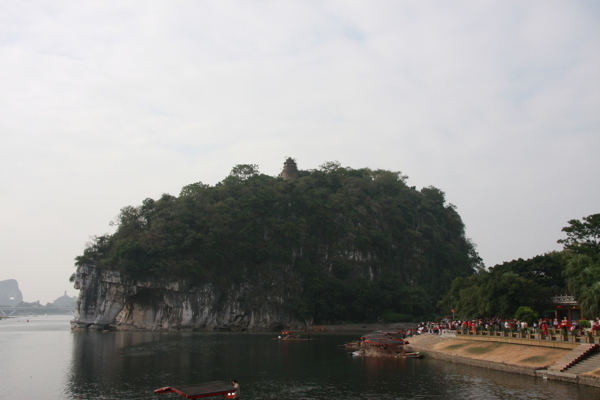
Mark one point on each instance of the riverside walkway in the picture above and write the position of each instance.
(580, 364)
(554, 339)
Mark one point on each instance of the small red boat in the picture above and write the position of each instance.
(201, 390)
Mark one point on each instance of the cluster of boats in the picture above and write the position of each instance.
(388, 343)
(378, 343)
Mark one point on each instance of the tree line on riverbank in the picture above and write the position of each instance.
(502, 289)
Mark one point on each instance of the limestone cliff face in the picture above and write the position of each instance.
(10, 295)
(107, 300)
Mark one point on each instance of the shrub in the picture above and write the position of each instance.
(584, 323)
(526, 314)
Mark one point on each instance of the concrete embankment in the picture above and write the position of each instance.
(502, 356)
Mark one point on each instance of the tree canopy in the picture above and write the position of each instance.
(339, 244)
(582, 271)
(504, 288)
(583, 237)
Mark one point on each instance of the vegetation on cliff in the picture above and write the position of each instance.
(347, 244)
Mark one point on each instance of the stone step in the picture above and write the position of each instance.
(588, 364)
(591, 363)
(573, 357)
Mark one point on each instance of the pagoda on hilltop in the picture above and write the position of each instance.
(290, 170)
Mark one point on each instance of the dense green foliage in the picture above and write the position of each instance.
(583, 237)
(526, 314)
(502, 289)
(582, 272)
(346, 244)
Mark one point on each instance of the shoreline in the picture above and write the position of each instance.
(530, 360)
(348, 328)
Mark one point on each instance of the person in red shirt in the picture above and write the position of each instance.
(545, 328)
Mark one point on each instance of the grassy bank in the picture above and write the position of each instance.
(529, 357)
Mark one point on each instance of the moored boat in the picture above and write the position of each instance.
(294, 335)
(201, 390)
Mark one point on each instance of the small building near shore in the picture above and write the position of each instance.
(565, 306)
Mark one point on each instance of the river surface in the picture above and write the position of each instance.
(40, 358)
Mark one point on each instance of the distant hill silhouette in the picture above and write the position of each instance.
(65, 301)
(10, 295)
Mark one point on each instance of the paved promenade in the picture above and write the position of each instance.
(566, 361)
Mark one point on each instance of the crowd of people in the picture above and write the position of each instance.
(506, 324)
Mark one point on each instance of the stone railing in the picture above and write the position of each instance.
(557, 335)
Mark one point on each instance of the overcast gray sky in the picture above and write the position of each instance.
(106, 103)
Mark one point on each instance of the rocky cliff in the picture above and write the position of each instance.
(110, 301)
(10, 295)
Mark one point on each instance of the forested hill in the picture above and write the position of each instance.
(336, 243)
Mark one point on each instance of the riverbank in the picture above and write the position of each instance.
(349, 328)
(507, 357)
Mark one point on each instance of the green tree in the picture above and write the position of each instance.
(500, 290)
(95, 251)
(526, 314)
(505, 292)
(465, 296)
(545, 270)
(193, 189)
(583, 237)
(582, 274)
(244, 171)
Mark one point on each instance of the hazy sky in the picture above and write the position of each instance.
(106, 103)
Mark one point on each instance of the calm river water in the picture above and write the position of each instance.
(43, 359)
